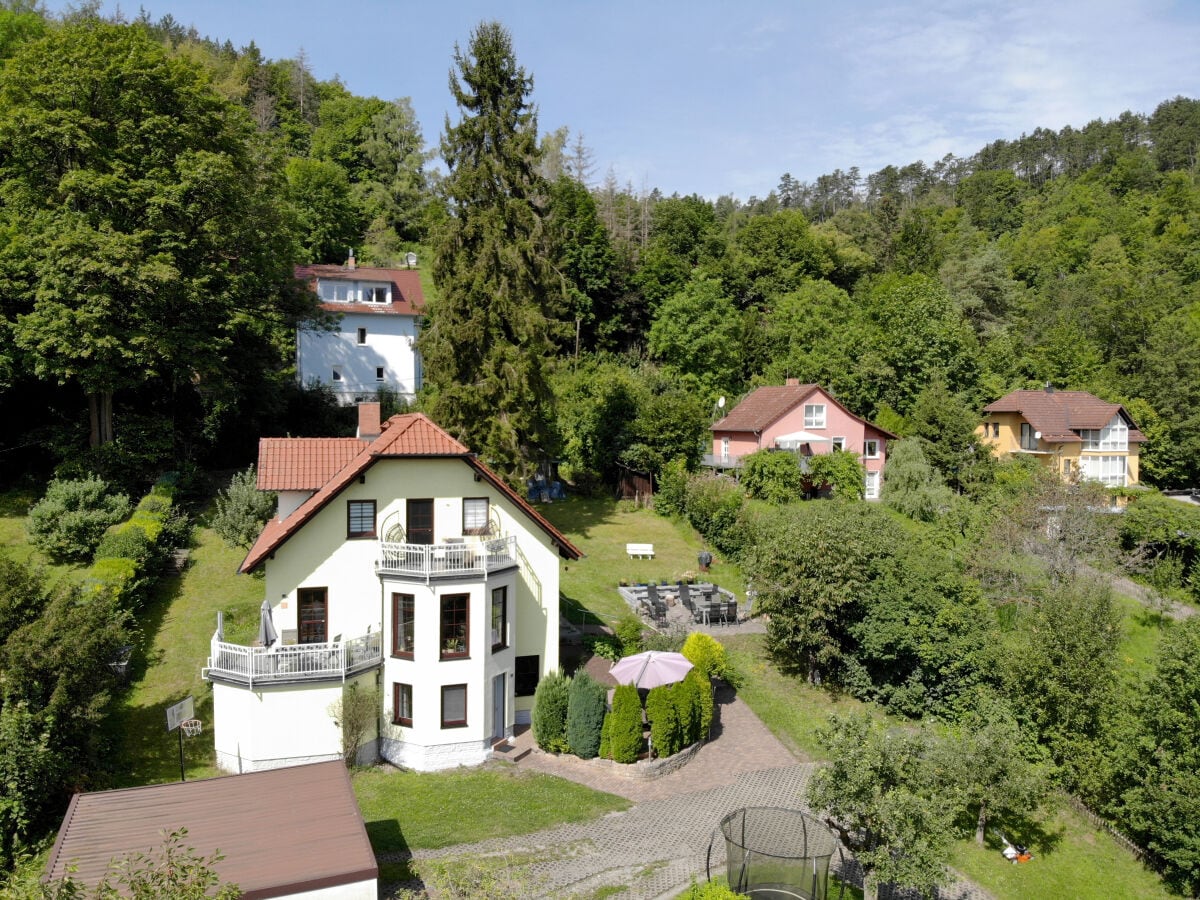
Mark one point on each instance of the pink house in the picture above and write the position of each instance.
(800, 417)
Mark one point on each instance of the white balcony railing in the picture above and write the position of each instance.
(294, 662)
(430, 560)
(719, 461)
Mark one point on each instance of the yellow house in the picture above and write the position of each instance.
(1075, 433)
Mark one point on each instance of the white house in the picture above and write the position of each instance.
(377, 314)
(398, 560)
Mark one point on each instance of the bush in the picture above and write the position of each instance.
(70, 520)
(671, 499)
(666, 731)
(912, 487)
(242, 510)
(772, 476)
(714, 507)
(706, 653)
(711, 890)
(585, 715)
(704, 696)
(688, 710)
(629, 632)
(624, 724)
(550, 702)
(604, 646)
(840, 471)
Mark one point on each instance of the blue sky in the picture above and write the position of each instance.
(714, 98)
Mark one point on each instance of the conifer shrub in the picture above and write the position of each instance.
(549, 719)
(242, 510)
(706, 653)
(625, 726)
(666, 736)
(605, 742)
(704, 695)
(70, 520)
(585, 715)
(689, 710)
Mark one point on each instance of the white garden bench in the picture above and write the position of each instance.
(640, 551)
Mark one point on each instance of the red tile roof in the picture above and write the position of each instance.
(407, 436)
(263, 823)
(1060, 415)
(765, 405)
(407, 297)
(303, 464)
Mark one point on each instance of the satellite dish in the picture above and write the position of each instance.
(721, 402)
(410, 258)
(1037, 435)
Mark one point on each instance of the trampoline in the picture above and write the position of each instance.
(777, 854)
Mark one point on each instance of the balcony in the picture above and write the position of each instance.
(429, 561)
(719, 461)
(294, 663)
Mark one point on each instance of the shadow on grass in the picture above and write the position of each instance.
(1151, 618)
(575, 612)
(579, 514)
(16, 504)
(1026, 832)
(145, 752)
(386, 836)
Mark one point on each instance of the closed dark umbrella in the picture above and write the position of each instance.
(266, 627)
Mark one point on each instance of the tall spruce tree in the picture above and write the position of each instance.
(488, 336)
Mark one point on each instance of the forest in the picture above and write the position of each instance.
(157, 187)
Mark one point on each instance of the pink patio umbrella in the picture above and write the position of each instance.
(650, 669)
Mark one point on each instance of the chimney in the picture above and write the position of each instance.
(368, 421)
(350, 264)
(1049, 388)
(792, 382)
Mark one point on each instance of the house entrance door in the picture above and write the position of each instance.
(312, 615)
(419, 515)
(498, 705)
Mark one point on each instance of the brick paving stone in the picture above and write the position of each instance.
(656, 847)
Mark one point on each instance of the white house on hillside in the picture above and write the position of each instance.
(397, 560)
(378, 314)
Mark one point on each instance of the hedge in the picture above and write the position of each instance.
(130, 553)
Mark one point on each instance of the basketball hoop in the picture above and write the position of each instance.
(190, 727)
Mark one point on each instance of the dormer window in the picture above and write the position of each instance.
(332, 290)
(1113, 436)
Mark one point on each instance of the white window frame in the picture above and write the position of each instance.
(724, 448)
(475, 513)
(871, 448)
(374, 292)
(838, 443)
(337, 374)
(871, 486)
(380, 372)
(814, 415)
(1110, 470)
(360, 337)
(332, 290)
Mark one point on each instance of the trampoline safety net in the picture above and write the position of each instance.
(773, 854)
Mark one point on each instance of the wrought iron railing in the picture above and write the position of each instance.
(430, 560)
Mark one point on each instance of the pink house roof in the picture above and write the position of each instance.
(765, 405)
(1060, 415)
(407, 436)
(407, 296)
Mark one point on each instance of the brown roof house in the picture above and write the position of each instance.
(1075, 433)
(804, 418)
(397, 562)
(378, 313)
(293, 832)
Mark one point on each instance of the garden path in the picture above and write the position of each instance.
(655, 848)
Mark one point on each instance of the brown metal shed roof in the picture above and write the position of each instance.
(281, 831)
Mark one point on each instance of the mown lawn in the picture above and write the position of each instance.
(177, 625)
(1073, 860)
(601, 528)
(429, 810)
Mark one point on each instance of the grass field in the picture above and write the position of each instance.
(1073, 860)
(601, 528)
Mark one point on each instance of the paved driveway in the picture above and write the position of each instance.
(655, 848)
